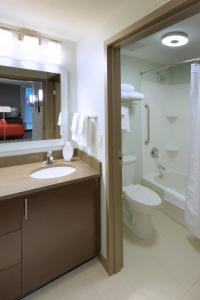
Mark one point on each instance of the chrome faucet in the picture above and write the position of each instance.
(50, 160)
(154, 153)
(161, 170)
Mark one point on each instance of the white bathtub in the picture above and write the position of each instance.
(170, 180)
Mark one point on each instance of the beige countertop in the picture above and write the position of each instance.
(16, 180)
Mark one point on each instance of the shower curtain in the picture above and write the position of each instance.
(192, 209)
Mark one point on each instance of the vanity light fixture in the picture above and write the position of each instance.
(35, 45)
(175, 39)
(31, 47)
(54, 52)
(6, 42)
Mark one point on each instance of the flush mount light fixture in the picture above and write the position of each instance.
(175, 39)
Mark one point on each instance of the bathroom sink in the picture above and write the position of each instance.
(52, 172)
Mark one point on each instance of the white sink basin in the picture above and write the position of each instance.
(52, 172)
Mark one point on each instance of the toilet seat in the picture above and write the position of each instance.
(142, 195)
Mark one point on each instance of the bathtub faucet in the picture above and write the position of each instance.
(161, 170)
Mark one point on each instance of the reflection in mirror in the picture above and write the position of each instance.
(29, 105)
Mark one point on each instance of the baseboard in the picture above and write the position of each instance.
(103, 261)
(174, 212)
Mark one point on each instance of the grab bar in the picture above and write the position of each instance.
(148, 124)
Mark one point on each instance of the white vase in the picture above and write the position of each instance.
(68, 151)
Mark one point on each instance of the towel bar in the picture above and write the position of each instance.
(94, 117)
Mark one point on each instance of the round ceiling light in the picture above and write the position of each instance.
(175, 39)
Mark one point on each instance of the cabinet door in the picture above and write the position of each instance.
(10, 283)
(10, 215)
(60, 232)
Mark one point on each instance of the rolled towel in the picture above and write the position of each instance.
(132, 96)
(137, 95)
(83, 130)
(125, 95)
(126, 87)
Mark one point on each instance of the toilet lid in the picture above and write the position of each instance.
(142, 195)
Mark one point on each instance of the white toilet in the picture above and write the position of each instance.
(139, 202)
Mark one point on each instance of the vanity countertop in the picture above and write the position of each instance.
(16, 180)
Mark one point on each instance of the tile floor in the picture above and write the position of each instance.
(164, 268)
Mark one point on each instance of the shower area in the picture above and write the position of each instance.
(166, 155)
(159, 137)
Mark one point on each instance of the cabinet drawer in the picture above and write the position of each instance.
(10, 249)
(10, 215)
(10, 283)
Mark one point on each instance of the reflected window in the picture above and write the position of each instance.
(28, 110)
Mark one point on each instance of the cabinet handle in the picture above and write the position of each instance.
(26, 209)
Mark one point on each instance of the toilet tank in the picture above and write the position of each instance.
(128, 169)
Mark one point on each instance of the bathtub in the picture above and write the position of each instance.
(171, 181)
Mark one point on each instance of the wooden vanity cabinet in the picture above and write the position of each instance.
(59, 232)
(45, 234)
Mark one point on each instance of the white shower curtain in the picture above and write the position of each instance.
(192, 209)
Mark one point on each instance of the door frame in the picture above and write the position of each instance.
(172, 12)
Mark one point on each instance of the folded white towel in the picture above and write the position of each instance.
(87, 131)
(132, 95)
(174, 197)
(75, 127)
(91, 132)
(125, 95)
(125, 121)
(82, 132)
(60, 123)
(137, 95)
(126, 87)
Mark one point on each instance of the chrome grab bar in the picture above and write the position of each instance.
(148, 124)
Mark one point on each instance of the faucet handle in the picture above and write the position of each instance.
(49, 160)
(154, 152)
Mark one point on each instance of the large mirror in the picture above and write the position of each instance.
(30, 105)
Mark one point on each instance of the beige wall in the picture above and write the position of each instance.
(91, 68)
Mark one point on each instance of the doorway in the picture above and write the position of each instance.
(167, 15)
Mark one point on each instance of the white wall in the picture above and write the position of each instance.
(133, 142)
(166, 95)
(91, 77)
(165, 99)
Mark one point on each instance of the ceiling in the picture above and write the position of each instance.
(151, 49)
(67, 19)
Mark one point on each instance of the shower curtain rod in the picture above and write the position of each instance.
(171, 66)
